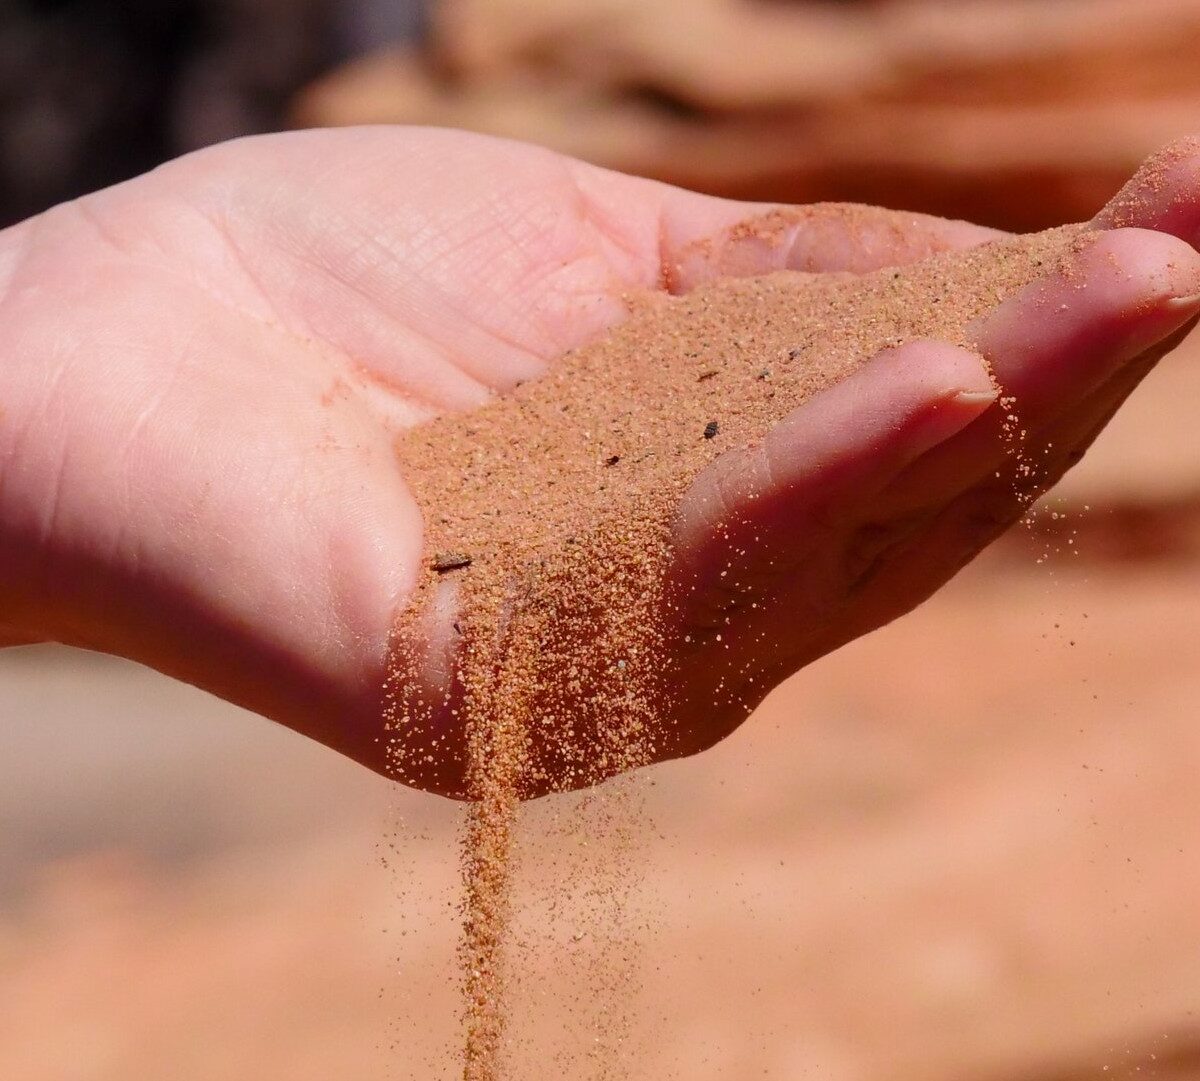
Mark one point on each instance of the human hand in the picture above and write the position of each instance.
(205, 370)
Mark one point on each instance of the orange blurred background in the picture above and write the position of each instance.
(966, 848)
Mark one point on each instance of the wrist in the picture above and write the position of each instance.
(31, 326)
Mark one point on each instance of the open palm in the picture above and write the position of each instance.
(205, 371)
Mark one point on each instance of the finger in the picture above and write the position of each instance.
(1164, 194)
(1056, 342)
(762, 536)
(705, 239)
(942, 541)
(949, 539)
(750, 516)
(913, 570)
(426, 717)
(1062, 444)
(1063, 336)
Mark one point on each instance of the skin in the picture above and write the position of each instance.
(204, 371)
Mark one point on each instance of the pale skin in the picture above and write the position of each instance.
(204, 371)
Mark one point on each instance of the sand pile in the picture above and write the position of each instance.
(550, 513)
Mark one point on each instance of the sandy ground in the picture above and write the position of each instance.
(967, 847)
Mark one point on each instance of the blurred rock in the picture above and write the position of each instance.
(1018, 113)
(962, 849)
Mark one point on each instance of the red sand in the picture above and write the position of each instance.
(551, 511)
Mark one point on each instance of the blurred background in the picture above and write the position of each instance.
(966, 848)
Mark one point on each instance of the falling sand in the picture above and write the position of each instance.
(549, 516)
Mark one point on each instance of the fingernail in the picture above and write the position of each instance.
(1183, 304)
(977, 397)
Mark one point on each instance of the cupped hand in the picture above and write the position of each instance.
(204, 372)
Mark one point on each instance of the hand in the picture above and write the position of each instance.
(205, 369)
